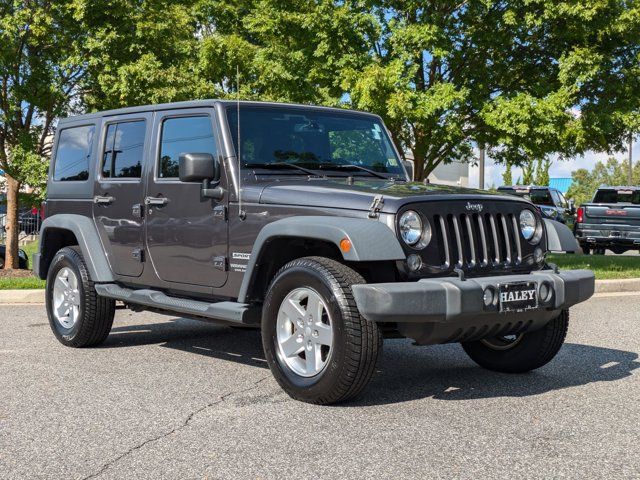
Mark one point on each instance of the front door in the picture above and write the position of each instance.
(118, 192)
(186, 234)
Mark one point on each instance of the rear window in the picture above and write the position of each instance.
(73, 153)
(537, 197)
(617, 196)
(123, 150)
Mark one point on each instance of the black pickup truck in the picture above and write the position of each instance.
(611, 221)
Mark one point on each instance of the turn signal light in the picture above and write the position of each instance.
(345, 245)
(580, 215)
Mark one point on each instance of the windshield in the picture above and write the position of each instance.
(617, 196)
(313, 139)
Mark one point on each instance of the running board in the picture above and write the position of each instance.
(232, 312)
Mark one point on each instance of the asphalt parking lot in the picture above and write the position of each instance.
(175, 398)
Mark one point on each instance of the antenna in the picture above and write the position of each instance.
(241, 212)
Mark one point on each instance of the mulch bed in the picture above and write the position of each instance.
(16, 273)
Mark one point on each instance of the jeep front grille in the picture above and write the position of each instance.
(478, 240)
(478, 243)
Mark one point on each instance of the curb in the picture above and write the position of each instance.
(21, 296)
(616, 286)
(37, 296)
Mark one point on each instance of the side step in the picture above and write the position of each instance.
(232, 312)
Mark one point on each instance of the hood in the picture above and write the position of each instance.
(337, 193)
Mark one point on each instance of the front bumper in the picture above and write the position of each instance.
(451, 300)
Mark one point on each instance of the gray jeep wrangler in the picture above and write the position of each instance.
(299, 220)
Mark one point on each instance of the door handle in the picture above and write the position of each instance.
(102, 200)
(157, 201)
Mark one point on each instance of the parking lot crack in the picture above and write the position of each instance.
(176, 429)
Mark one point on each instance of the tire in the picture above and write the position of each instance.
(90, 316)
(1, 263)
(529, 350)
(348, 364)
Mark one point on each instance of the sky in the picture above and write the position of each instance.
(559, 168)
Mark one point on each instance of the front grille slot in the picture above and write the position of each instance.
(477, 241)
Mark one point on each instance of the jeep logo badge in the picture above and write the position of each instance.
(474, 207)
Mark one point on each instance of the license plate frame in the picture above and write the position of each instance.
(517, 304)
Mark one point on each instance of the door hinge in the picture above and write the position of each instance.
(220, 212)
(220, 263)
(137, 210)
(138, 254)
(376, 206)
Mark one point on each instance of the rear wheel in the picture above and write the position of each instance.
(318, 346)
(523, 352)
(78, 316)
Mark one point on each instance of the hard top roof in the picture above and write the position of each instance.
(198, 104)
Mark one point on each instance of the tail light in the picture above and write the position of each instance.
(580, 215)
(43, 210)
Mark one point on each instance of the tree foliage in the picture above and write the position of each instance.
(612, 172)
(527, 78)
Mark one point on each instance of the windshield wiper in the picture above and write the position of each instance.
(350, 166)
(279, 165)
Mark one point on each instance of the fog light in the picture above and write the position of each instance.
(538, 255)
(544, 293)
(414, 262)
(489, 296)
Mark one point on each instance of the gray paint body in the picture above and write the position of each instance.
(184, 239)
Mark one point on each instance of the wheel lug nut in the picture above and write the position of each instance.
(315, 333)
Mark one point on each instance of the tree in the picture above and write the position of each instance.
(40, 70)
(542, 171)
(286, 51)
(507, 176)
(507, 74)
(585, 182)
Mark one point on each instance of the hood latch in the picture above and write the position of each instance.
(376, 206)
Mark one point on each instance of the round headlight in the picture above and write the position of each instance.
(410, 227)
(528, 225)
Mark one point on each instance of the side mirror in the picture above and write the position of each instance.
(572, 207)
(197, 167)
(201, 167)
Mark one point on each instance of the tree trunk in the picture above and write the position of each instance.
(11, 255)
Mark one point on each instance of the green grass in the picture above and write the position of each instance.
(31, 248)
(20, 283)
(605, 267)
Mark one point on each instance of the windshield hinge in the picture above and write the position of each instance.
(376, 206)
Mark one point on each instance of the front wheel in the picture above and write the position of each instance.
(520, 353)
(318, 346)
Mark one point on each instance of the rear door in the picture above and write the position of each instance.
(118, 192)
(186, 234)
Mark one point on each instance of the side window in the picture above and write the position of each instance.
(184, 135)
(563, 201)
(123, 150)
(72, 156)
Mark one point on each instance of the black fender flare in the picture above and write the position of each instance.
(89, 243)
(560, 238)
